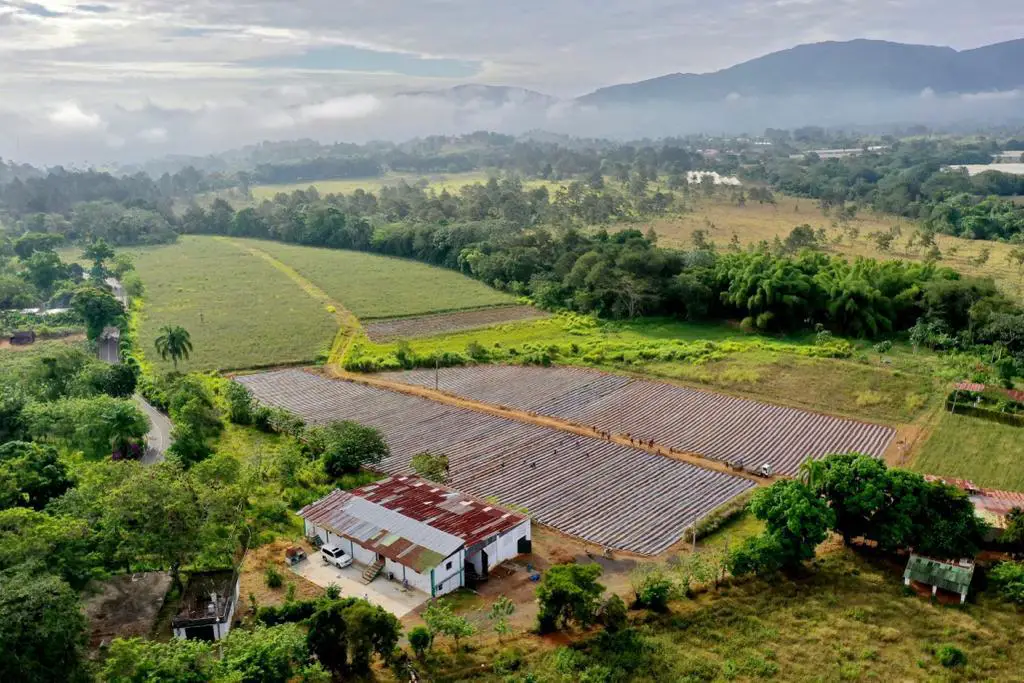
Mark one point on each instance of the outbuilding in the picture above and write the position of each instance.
(207, 606)
(23, 337)
(949, 576)
(428, 536)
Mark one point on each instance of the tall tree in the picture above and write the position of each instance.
(174, 342)
(99, 308)
(42, 630)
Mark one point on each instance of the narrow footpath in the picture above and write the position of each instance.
(349, 327)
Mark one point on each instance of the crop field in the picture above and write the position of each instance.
(712, 425)
(756, 222)
(444, 323)
(240, 311)
(597, 490)
(374, 286)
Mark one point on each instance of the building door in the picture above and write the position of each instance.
(483, 562)
(206, 633)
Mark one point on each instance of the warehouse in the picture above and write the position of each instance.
(419, 533)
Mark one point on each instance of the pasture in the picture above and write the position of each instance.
(372, 286)
(963, 447)
(452, 182)
(240, 311)
(598, 490)
(711, 425)
(756, 222)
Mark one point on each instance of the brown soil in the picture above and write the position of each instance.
(125, 606)
(252, 578)
(442, 323)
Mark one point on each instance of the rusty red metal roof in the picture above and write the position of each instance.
(471, 519)
(992, 504)
(410, 520)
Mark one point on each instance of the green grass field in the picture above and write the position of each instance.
(240, 311)
(849, 619)
(988, 453)
(381, 287)
(779, 370)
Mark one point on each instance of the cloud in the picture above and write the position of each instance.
(154, 135)
(70, 116)
(216, 74)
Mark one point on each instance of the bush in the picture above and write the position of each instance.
(613, 614)
(289, 613)
(950, 656)
(420, 640)
(240, 403)
(653, 591)
(508, 661)
(273, 577)
(1008, 578)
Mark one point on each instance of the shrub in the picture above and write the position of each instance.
(273, 577)
(613, 614)
(653, 591)
(420, 640)
(950, 656)
(508, 661)
(1008, 578)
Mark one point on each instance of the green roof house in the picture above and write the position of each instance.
(949, 576)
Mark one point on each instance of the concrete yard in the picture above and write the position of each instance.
(388, 594)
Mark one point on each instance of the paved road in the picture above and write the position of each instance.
(109, 351)
(158, 440)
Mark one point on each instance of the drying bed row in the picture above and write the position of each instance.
(600, 491)
(712, 425)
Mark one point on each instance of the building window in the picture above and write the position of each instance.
(448, 566)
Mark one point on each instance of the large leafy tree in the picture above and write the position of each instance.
(31, 475)
(99, 308)
(173, 342)
(567, 594)
(344, 634)
(346, 446)
(42, 543)
(795, 518)
(42, 630)
(97, 426)
(856, 487)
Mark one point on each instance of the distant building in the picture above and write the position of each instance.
(418, 532)
(207, 606)
(948, 576)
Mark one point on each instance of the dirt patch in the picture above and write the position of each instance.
(253, 577)
(125, 606)
(442, 323)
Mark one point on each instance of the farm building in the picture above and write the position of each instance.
(949, 576)
(207, 606)
(417, 532)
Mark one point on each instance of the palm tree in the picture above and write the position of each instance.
(174, 342)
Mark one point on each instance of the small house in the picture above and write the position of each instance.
(419, 533)
(207, 606)
(23, 337)
(954, 577)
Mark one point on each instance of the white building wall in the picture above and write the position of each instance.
(448, 579)
(508, 543)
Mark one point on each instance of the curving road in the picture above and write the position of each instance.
(158, 440)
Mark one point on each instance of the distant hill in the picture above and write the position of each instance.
(856, 65)
(490, 95)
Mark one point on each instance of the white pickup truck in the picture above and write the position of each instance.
(332, 554)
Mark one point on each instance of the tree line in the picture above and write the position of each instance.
(913, 179)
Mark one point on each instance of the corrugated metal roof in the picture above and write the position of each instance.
(970, 386)
(992, 504)
(399, 538)
(442, 508)
(946, 575)
(410, 520)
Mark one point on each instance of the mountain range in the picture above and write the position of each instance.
(856, 65)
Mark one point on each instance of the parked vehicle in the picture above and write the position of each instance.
(332, 554)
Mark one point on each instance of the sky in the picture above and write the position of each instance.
(132, 79)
